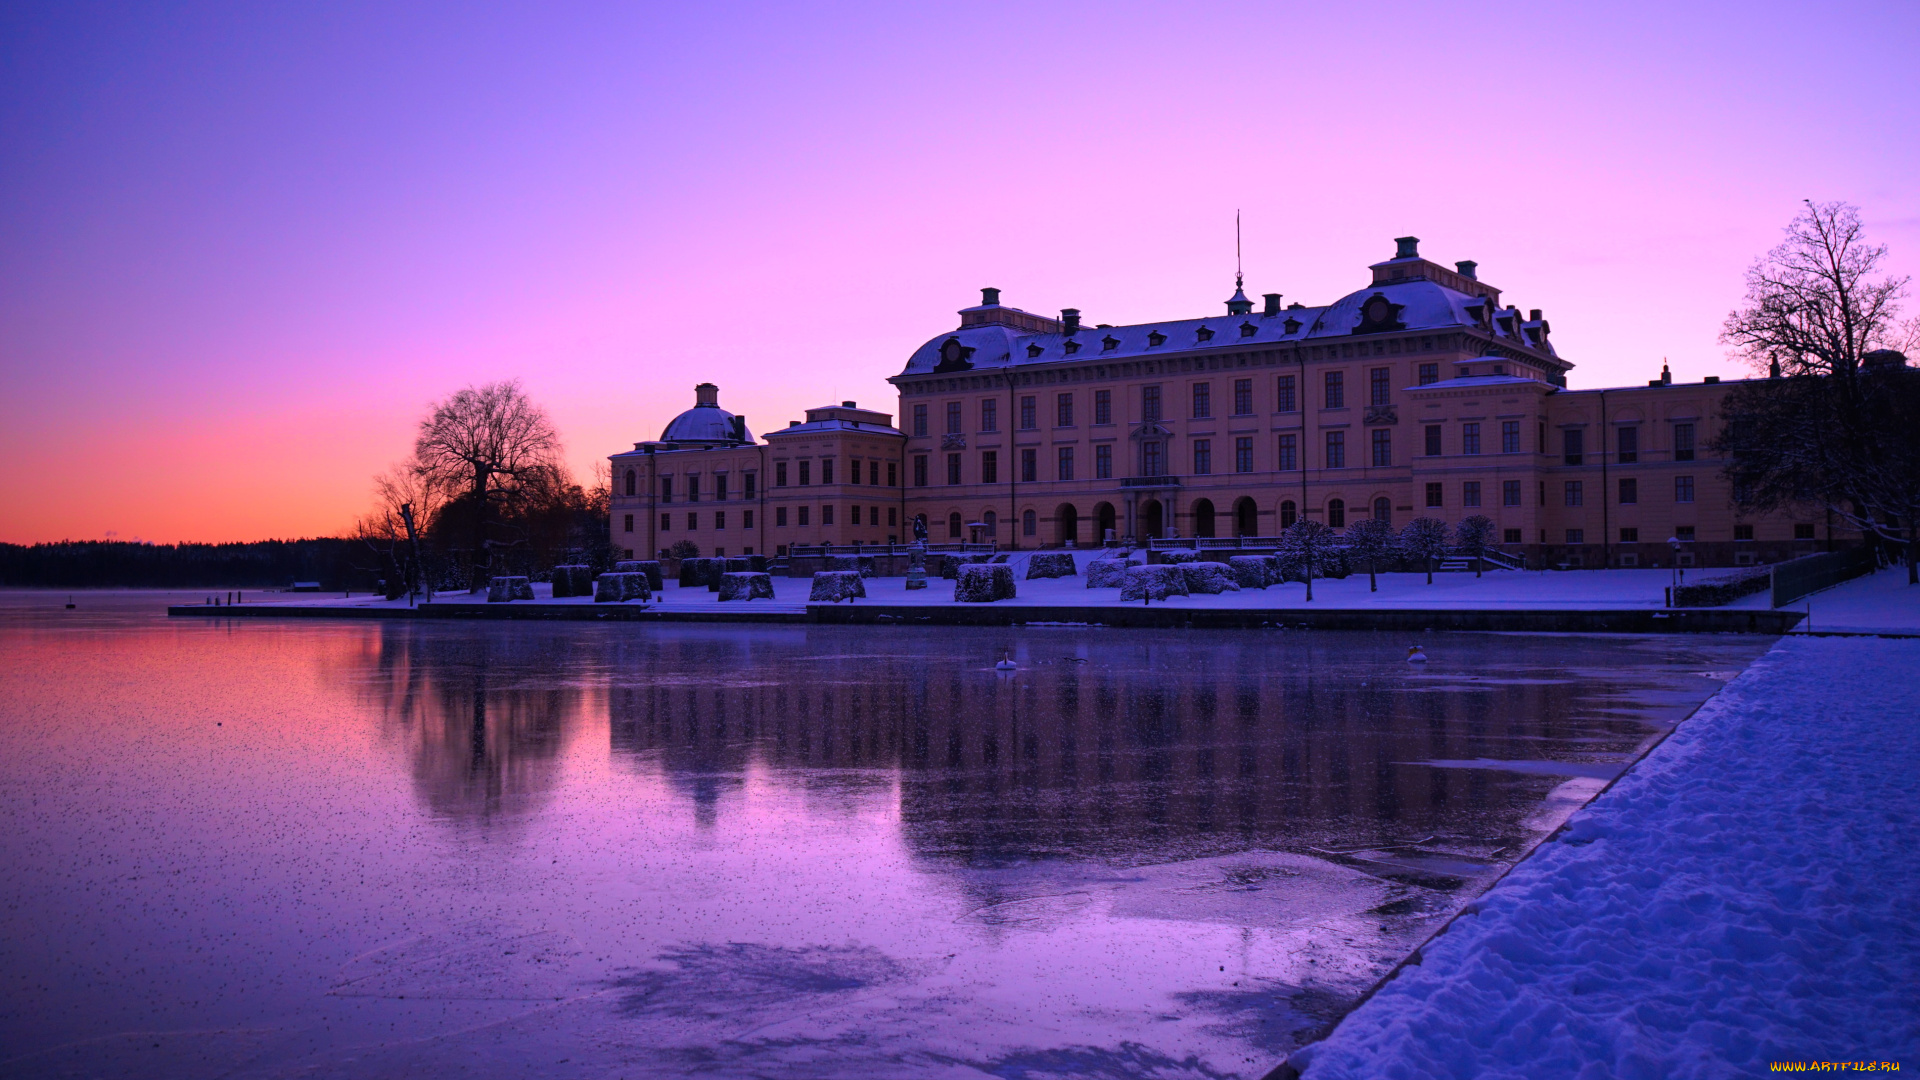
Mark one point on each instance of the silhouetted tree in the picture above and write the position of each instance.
(1425, 539)
(488, 449)
(1474, 535)
(1372, 539)
(1306, 541)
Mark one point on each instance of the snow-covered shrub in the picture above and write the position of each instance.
(564, 577)
(656, 576)
(697, 572)
(1179, 555)
(745, 585)
(1250, 571)
(833, 586)
(1154, 582)
(1208, 577)
(1334, 563)
(1723, 590)
(841, 562)
(950, 565)
(1051, 564)
(983, 584)
(617, 588)
(738, 564)
(1106, 573)
(500, 590)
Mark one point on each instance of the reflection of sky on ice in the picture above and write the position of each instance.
(357, 849)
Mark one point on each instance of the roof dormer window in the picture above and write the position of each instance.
(1109, 343)
(1072, 346)
(1156, 339)
(1203, 334)
(1248, 329)
(1034, 351)
(1292, 325)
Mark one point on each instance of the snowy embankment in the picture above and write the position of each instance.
(1748, 894)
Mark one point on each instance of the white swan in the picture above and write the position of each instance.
(1006, 663)
(1415, 656)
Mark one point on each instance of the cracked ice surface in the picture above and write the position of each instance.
(269, 849)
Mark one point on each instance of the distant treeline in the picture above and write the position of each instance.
(262, 564)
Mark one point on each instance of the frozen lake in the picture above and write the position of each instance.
(259, 849)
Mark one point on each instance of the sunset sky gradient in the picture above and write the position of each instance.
(246, 245)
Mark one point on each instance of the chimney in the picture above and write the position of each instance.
(793, 423)
(989, 297)
(1071, 316)
(739, 429)
(1533, 315)
(706, 394)
(1409, 247)
(1273, 303)
(1467, 268)
(848, 405)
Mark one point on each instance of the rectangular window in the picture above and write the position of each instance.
(1576, 536)
(989, 466)
(1243, 397)
(1063, 468)
(1803, 532)
(1063, 410)
(1509, 436)
(1380, 386)
(1513, 536)
(1429, 373)
(666, 522)
(1202, 401)
(720, 488)
(1382, 448)
(920, 420)
(746, 519)
(1029, 465)
(1576, 494)
(873, 473)
(919, 470)
(990, 414)
(1151, 459)
(1628, 439)
(780, 517)
(803, 515)
(1469, 438)
(629, 522)
(953, 468)
(1433, 440)
(826, 514)
(1573, 444)
(693, 521)
(1336, 390)
(752, 484)
(1029, 413)
(806, 473)
(893, 517)
(1103, 462)
(1683, 442)
(853, 472)
(1683, 489)
(1337, 514)
(1436, 495)
(1740, 532)
(1543, 502)
(719, 519)
(1470, 493)
(1629, 536)
(1629, 491)
(1684, 533)
(666, 489)
(1103, 406)
(893, 474)
(1243, 454)
(826, 470)
(1336, 449)
(1149, 403)
(1202, 456)
(1283, 394)
(693, 489)
(779, 474)
(1286, 455)
(953, 418)
(1509, 493)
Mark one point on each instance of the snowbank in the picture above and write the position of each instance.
(1745, 895)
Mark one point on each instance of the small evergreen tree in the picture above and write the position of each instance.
(1372, 540)
(684, 549)
(1306, 542)
(1474, 536)
(1425, 539)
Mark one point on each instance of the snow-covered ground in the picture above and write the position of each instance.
(1745, 895)
(1877, 603)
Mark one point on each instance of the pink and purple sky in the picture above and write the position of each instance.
(246, 245)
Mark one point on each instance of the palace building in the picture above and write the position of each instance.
(1420, 394)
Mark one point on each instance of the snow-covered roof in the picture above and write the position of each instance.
(703, 423)
(814, 427)
(1475, 381)
(1419, 305)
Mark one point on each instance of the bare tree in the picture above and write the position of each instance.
(1372, 539)
(487, 446)
(1474, 535)
(1425, 539)
(1813, 304)
(1306, 541)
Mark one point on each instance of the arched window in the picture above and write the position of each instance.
(1383, 509)
(1288, 514)
(1336, 513)
(992, 522)
(953, 525)
(630, 481)
(1029, 524)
